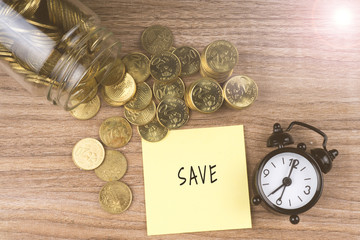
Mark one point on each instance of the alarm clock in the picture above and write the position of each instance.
(289, 180)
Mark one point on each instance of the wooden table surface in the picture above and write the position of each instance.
(305, 70)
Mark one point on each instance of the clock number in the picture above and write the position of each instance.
(296, 162)
(266, 172)
(308, 188)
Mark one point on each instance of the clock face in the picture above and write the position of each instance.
(289, 182)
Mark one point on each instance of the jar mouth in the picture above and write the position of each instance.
(84, 54)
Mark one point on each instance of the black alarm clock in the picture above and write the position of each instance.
(289, 180)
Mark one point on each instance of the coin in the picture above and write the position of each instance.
(112, 72)
(113, 167)
(108, 100)
(115, 197)
(115, 132)
(153, 131)
(156, 39)
(88, 154)
(221, 56)
(120, 93)
(138, 66)
(141, 99)
(240, 92)
(205, 95)
(165, 67)
(88, 110)
(172, 89)
(190, 60)
(172, 113)
(141, 117)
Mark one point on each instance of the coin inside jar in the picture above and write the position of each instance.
(115, 197)
(113, 167)
(172, 113)
(88, 154)
(240, 92)
(115, 132)
(165, 67)
(138, 66)
(205, 95)
(156, 39)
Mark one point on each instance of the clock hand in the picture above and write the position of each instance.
(286, 180)
(279, 199)
(282, 185)
(295, 162)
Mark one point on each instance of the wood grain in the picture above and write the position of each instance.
(43, 195)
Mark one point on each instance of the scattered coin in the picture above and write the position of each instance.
(240, 92)
(165, 67)
(141, 117)
(204, 95)
(138, 66)
(115, 132)
(88, 154)
(113, 167)
(120, 93)
(153, 131)
(156, 39)
(172, 89)
(190, 60)
(88, 110)
(172, 113)
(141, 99)
(115, 197)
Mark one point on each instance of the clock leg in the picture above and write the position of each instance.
(294, 219)
(256, 200)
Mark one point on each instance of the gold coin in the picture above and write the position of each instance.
(121, 92)
(108, 100)
(141, 117)
(88, 110)
(221, 56)
(141, 99)
(115, 132)
(172, 89)
(190, 60)
(85, 90)
(115, 197)
(153, 131)
(113, 167)
(165, 67)
(240, 92)
(172, 113)
(138, 66)
(88, 154)
(206, 95)
(156, 39)
(112, 72)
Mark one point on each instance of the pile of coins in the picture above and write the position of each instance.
(170, 108)
(218, 60)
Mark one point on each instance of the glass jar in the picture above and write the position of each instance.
(57, 49)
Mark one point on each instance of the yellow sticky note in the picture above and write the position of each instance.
(196, 180)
